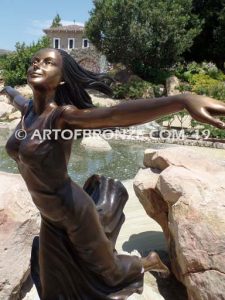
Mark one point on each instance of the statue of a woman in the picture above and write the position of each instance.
(75, 257)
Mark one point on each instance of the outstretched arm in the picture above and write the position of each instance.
(15, 97)
(133, 112)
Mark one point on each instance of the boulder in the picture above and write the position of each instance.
(6, 109)
(15, 115)
(12, 125)
(4, 98)
(95, 143)
(184, 192)
(19, 223)
(172, 86)
(25, 91)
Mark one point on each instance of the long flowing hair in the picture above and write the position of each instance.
(77, 80)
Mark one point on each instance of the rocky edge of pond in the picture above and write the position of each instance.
(184, 192)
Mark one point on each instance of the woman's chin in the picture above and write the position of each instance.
(35, 83)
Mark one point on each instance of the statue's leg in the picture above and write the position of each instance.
(94, 249)
(152, 262)
(110, 197)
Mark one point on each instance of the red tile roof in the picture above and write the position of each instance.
(70, 28)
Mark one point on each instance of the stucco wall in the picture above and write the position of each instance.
(88, 58)
(64, 36)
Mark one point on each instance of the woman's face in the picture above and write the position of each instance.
(45, 70)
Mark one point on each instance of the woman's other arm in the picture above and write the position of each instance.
(15, 97)
(134, 112)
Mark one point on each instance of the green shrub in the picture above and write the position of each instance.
(159, 90)
(203, 79)
(205, 85)
(185, 87)
(214, 132)
(186, 71)
(15, 64)
(134, 89)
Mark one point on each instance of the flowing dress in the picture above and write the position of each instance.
(74, 257)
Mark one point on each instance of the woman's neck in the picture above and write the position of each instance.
(43, 100)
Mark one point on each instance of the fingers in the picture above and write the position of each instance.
(206, 117)
(218, 109)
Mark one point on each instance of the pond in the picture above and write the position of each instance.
(122, 162)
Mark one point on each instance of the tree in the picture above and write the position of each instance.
(56, 22)
(142, 34)
(15, 64)
(210, 43)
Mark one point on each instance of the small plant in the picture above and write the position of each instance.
(205, 85)
(187, 71)
(214, 132)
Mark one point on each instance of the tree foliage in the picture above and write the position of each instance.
(56, 22)
(15, 64)
(142, 34)
(210, 43)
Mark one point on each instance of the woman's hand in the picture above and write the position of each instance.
(15, 97)
(6, 91)
(203, 109)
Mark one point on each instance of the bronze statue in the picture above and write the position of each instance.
(75, 256)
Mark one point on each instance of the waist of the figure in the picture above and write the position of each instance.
(48, 186)
(51, 202)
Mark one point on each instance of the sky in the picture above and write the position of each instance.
(23, 20)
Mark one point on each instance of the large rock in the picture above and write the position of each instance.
(25, 91)
(3, 98)
(95, 143)
(6, 109)
(184, 192)
(172, 86)
(14, 116)
(12, 125)
(19, 223)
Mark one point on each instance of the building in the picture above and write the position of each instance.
(68, 37)
(72, 39)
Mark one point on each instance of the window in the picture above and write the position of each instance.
(85, 43)
(56, 43)
(71, 43)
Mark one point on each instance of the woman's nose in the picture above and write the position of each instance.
(35, 65)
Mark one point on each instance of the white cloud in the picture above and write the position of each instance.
(37, 26)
